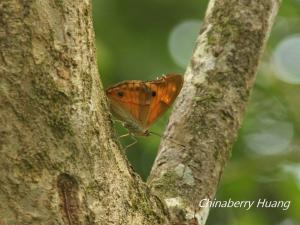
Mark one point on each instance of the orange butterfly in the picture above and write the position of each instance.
(140, 103)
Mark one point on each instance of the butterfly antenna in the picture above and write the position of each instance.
(170, 139)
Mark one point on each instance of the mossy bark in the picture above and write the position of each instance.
(59, 162)
(210, 108)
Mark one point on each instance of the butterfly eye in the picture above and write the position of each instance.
(120, 94)
(153, 93)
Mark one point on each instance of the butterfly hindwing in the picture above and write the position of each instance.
(130, 100)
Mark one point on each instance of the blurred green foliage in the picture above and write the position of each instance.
(132, 43)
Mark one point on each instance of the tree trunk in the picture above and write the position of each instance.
(60, 163)
(210, 108)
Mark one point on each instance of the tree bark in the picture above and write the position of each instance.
(210, 108)
(60, 163)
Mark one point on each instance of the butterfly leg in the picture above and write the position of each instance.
(124, 135)
(118, 121)
(131, 144)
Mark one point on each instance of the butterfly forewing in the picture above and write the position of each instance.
(166, 92)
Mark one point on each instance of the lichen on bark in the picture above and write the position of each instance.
(211, 106)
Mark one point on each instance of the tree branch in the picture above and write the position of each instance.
(210, 108)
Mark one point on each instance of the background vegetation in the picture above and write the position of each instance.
(145, 39)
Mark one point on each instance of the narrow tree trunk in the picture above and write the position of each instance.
(60, 163)
(210, 108)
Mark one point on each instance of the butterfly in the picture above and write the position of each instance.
(138, 104)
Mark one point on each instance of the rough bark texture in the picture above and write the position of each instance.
(209, 110)
(59, 163)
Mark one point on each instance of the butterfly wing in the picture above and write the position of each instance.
(140, 103)
(166, 90)
(130, 102)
